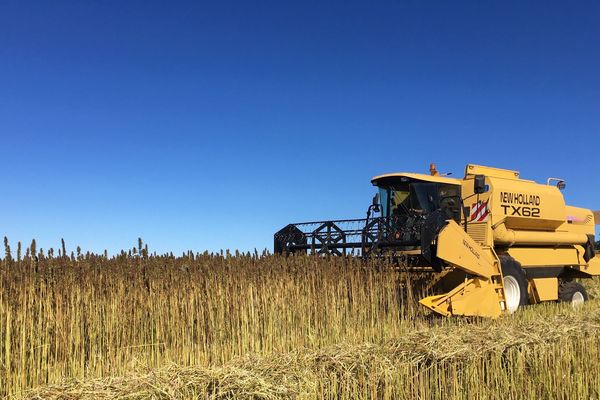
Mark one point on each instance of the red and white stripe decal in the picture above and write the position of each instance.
(479, 211)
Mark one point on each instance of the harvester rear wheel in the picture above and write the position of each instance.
(572, 292)
(515, 284)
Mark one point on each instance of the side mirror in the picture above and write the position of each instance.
(479, 184)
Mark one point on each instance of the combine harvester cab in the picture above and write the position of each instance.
(492, 241)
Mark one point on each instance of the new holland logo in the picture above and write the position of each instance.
(479, 211)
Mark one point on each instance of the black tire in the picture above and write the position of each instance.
(513, 273)
(566, 291)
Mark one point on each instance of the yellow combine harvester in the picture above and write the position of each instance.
(492, 241)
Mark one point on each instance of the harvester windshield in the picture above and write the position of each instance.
(404, 197)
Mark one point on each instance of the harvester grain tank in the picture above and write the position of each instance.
(491, 240)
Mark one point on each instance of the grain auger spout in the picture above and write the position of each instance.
(492, 242)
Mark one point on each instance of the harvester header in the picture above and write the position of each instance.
(491, 240)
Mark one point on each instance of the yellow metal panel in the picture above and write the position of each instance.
(472, 200)
(526, 205)
(478, 295)
(438, 303)
(478, 231)
(547, 256)
(456, 247)
(545, 289)
(579, 220)
(474, 297)
(511, 237)
(473, 169)
(592, 268)
(478, 299)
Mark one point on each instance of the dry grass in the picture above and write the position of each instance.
(202, 326)
(347, 370)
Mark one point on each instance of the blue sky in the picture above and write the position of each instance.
(210, 125)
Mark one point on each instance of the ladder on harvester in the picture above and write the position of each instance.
(498, 279)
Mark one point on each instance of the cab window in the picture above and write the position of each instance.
(417, 197)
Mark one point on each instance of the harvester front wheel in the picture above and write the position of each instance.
(515, 284)
(572, 292)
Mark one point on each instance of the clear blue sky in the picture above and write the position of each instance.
(209, 125)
